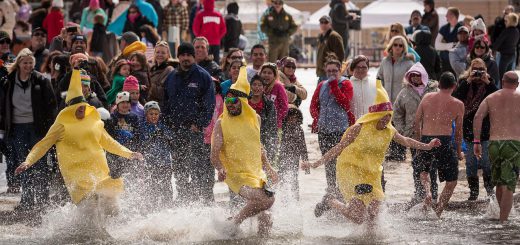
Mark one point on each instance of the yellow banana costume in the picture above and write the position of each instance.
(81, 146)
(361, 161)
(241, 152)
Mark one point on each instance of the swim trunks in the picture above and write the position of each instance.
(443, 157)
(505, 162)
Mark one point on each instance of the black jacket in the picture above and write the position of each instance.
(134, 27)
(507, 41)
(213, 69)
(462, 93)
(63, 86)
(43, 102)
(234, 29)
(268, 128)
(429, 57)
(340, 18)
(40, 56)
(491, 65)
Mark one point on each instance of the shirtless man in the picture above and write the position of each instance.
(433, 119)
(504, 146)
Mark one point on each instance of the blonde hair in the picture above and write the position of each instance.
(399, 27)
(512, 19)
(392, 41)
(476, 61)
(163, 44)
(22, 54)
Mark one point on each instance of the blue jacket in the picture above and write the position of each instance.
(189, 98)
(124, 128)
(155, 141)
(147, 11)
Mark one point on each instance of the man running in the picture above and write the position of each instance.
(504, 146)
(434, 119)
(238, 156)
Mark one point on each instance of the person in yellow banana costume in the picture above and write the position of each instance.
(81, 141)
(360, 154)
(238, 156)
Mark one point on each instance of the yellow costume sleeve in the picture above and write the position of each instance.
(109, 144)
(54, 134)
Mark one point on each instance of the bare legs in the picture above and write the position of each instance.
(257, 202)
(356, 211)
(505, 201)
(445, 197)
(425, 181)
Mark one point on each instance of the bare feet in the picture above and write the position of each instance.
(264, 224)
(427, 202)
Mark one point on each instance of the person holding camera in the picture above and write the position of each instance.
(279, 27)
(474, 86)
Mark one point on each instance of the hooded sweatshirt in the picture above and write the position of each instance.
(409, 98)
(209, 23)
(429, 57)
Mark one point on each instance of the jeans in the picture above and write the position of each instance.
(472, 162)
(35, 180)
(326, 142)
(193, 172)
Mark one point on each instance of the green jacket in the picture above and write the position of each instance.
(117, 86)
(278, 26)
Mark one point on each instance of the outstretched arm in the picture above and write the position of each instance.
(352, 133)
(409, 142)
(111, 145)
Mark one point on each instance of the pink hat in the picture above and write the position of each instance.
(94, 4)
(131, 83)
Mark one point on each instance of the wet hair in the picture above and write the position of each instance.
(447, 80)
(358, 59)
(260, 46)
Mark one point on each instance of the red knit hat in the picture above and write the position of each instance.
(131, 83)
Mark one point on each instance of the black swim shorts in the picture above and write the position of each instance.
(443, 157)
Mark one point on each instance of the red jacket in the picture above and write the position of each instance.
(343, 96)
(209, 23)
(53, 23)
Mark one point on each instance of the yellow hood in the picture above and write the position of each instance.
(381, 107)
(135, 46)
(74, 91)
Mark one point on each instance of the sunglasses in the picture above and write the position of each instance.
(5, 41)
(333, 71)
(480, 47)
(231, 100)
(291, 67)
(324, 22)
(39, 34)
(394, 31)
(398, 45)
(236, 57)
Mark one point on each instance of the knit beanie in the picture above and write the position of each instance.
(122, 97)
(131, 84)
(232, 8)
(151, 105)
(186, 48)
(478, 24)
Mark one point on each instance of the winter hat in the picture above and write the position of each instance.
(186, 48)
(57, 3)
(478, 24)
(122, 97)
(130, 37)
(103, 113)
(85, 78)
(151, 105)
(463, 28)
(131, 83)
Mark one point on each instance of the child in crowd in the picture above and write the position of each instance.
(141, 71)
(131, 86)
(90, 96)
(293, 149)
(155, 143)
(121, 70)
(122, 126)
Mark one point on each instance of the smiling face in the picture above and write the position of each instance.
(161, 54)
(480, 49)
(257, 87)
(26, 65)
(201, 50)
(258, 57)
(233, 105)
(234, 70)
(397, 48)
(268, 75)
(152, 116)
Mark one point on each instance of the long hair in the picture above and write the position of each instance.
(476, 61)
(22, 54)
(392, 41)
(165, 45)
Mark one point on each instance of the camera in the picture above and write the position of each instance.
(84, 64)
(478, 73)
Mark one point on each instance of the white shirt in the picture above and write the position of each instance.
(364, 95)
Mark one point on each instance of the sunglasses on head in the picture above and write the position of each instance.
(231, 100)
(236, 57)
(398, 45)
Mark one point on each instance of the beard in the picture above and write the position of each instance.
(237, 112)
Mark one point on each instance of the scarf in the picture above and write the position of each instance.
(474, 98)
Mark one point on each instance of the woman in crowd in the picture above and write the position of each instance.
(275, 91)
(149, 37)
(46, 68)
(391, 72)
(481, 50)
(474, 86)
(265, 108)
(396, 29)
(141, 71)
(233, 54)
(331, 114)
(97, 38)
(506, 45)
(28, 111)
(162, 66)
(88, 14)
(295, 91)
(233, 70)
(134, 20)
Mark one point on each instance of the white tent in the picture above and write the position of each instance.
(250, 11)
(313, 23)
(382, 13)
